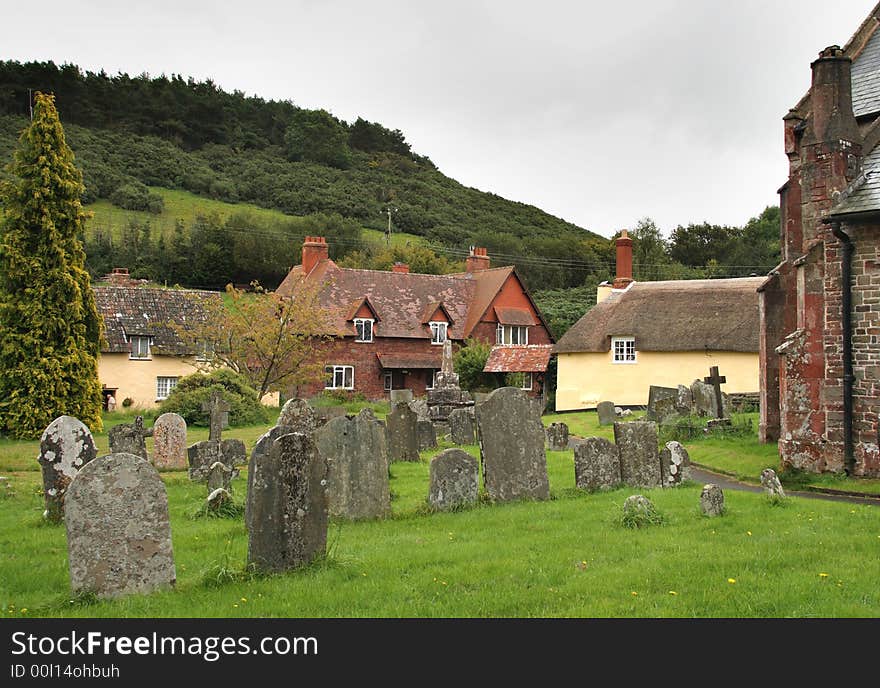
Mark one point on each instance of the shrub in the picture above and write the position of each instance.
(137, 196)
(193, 390)
(469, 363)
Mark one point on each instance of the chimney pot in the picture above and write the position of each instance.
(478, 260)
(314, 250)
(402, 268)
(624, 261)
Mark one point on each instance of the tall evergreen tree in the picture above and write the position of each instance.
(50, 330)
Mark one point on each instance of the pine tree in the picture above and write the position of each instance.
(50, 330)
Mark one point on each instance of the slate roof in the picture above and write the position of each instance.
(673, 315)
(532, 358)
(866, 78)
(864, 195)
(407, 361)
(148, 311)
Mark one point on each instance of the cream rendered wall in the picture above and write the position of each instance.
(585, 379)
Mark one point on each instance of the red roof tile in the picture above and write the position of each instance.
(407, 361)
(532, 358)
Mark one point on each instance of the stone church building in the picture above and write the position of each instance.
(820, 307)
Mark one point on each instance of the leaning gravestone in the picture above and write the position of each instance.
(402, 431)
(712, 500)
(512, 447)
(288, 506)
(770, 483)
(128, 438)
(299, 415)
(656, 394)
(674, 464)
(461, 426)
(454, 478)
(427, 434)
(118, 532)
(66, 446)
(357, 479)
(557, 436)
(596, 464)
(606, 412)
(169, 442)
(259, 458)
(217, 499)
(639, 459)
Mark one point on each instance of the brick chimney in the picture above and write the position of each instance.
(624, 261)
(119, 277)
(477, 260)
(402, 268)
(314, 250)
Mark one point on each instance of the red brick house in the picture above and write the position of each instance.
(389, 327)
(820, 308)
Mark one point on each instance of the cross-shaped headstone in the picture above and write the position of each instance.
(716, 380)
(217, 407)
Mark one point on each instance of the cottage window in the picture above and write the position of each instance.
(339, 377)
(511, 335)
(389, 381)
(164, 385)
(364, 328)
(140, 347)
(526, 382)
(624, 349)
(431, 377)
(438, 332)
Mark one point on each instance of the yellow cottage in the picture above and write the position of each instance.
(658, 333)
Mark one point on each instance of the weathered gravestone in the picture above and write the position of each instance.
(118, 532)
(557, 436)
(512, 447)
(596, 464)
(219, 477)
(661, 402)
(402, 433)
(218, 498)
(639, 459)
(712, 500)
(770, 483)
(66, 446)
(674, 464)
(401, 396)
(606, 412)
(128, 438)
(705, 401)
(684, 400)
(169, 441)
(288, 506)
(454, 478)
(461, 426)
(420, 408)
(217, 409)
(427, 434)
(203, 455)
(357, 458)
(299, 415)
(259, 458)
(639, 510)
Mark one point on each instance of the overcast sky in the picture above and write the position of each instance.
(601, 113)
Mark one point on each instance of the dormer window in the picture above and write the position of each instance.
(438, 332)
(364, 329)
(140, 347)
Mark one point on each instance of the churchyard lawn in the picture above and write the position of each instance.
(567, 557)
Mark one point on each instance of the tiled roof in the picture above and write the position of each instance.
(407, 361)
(514, 316)
(866, 78)
(148, 311)
(674, 315)
(865, 194)
(532, 358)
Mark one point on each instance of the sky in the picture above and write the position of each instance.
(600, 113)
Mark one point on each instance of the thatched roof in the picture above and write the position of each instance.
(675, 315)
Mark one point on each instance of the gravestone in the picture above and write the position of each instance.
(401, 396)
(118, 531)
(639, 507)
(326, 413)
(447, 395)
(357, 458)
(203, 455)
(420, 408)
(665, 410)
(596, 464)
(715, 380)
(674, 464)
(217, 409)
(299, 415)
(218, 498)
(512, 447)
(401, 427)
(427, 434)
(712, 500)
(259, 457)
(639, 459)
(454, 478)
(557, 436)
(461, 426)
(288, 506)
(66, 446)
(684, 400)
(704, 399)
(656, 395)
(606, 412)
(128, 438)
(169, 442)
(770, 483)
(219, 477)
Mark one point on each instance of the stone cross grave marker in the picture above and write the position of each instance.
(128, 438)
(716, 381)
(217, 408)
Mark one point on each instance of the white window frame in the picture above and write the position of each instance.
(361, 332)
(504, 335)
(338, 373)
(388, 383)
(438, 331)
(527, 382)
(165, 383)
(622, 348)
(138, 338)
(432, 381)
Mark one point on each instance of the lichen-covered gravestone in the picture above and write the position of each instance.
(219, 477)
(639, 459)
(288, 506)
(118, 532)
(605, 411)
(596, 464)
(169, 442)
(298, 415)
(259, 459)
(512, 447)
(66, 446)
(427, 434)
(557, 436)
(712, 500)
(674, 464)
(770, 483)
(128, 438)
(454, 478)
(461, 426)
(401, 426)
(357, 478)
(203, 455)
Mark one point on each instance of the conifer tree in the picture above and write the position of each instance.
(50, 330)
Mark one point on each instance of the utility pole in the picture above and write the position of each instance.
(389, 210)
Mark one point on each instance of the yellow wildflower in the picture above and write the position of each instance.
(731, 580)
